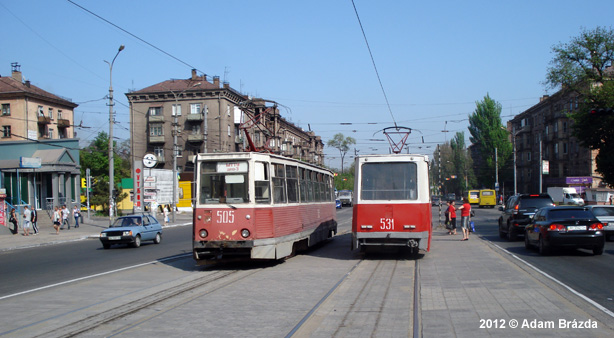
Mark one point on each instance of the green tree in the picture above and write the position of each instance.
(342, 144)
(487, 134)
(95, 157)
(584, 66)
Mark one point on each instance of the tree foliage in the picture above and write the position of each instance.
(487, 134)
(96, 158)
(584, 65)
(342, 144)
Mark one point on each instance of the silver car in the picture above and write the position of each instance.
(605, 215)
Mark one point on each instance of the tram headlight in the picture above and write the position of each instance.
(245, 233)
(203, 233)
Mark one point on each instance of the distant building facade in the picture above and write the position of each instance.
(40, 152)
(210, 117)
(544, 130)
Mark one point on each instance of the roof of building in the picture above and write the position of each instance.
(11, 87)
(178, 85)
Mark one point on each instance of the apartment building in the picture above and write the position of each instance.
(40, 152)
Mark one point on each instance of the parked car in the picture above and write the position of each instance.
(338, 203)
(565, 227)
(132, 230)
(435, 200)
(518, 212)
(605, 215)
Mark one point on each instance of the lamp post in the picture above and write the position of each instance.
(175, 132)
(111, 120)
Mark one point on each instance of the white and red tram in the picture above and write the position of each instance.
(392, 202)
(259, 206)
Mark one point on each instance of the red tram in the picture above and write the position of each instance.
(392, 202)
(259, 206)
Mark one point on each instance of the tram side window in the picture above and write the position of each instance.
(292, 182)
(309, 186)
(302, 174)
(279, 184)
(389, 181)
(320, 188)
(328, 188)
(262, 186)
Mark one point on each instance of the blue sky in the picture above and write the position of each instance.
(435, 58)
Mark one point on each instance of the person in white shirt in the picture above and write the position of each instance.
(27, 217)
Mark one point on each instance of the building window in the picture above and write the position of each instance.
(50, 133)
(564, 147)
(556, 127)
(179, 150)
(155, 111)
(228, 110)
(195, 108)
(159, 152)
(59, 114)
(228, 130)
(156, 129)
(195, 129)
(50, 114)
(6, 131)
(6, 109)
(176, 110)
(556, 149)
(529, 156)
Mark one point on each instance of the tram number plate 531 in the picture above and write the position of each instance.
(226, 216)
(386, 223)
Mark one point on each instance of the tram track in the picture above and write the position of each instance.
(366, 290)
(119, 313)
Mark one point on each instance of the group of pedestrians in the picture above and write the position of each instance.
(30, 221)
(465, 210)
(60, 218)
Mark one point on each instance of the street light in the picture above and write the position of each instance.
(513, 134)
(111, 104)
(175, 132)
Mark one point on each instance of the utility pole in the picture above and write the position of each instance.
(111, 121)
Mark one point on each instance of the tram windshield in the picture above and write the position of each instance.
(223, 182)
(389, 181)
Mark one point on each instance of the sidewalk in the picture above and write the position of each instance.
(89, 229)
(473, 289)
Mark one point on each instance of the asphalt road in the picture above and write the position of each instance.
(579, 269)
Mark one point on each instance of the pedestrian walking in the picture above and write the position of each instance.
(27, 218)
(34, 220)
(465, 212)
(65, 213)
(451, 212)
(13, 219)
(76, 214)
(56, 218)
(165, 215)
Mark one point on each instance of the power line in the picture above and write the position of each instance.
(373, 61)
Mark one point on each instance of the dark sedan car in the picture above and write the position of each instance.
(565, 227)
(132, 230)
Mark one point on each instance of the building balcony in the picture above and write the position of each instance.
(44, 120)
(195, 117)
(155, 118)
(63, 123)
(196, 137)
(156, 139)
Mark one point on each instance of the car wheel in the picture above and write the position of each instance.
(501, 233)
(106, 246)
(510, 233)
(158, 238)
(137, 241)
(543, 247)
(527, 244)
(598, 250)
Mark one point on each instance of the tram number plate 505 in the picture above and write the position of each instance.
(386, 223)
(226, 216)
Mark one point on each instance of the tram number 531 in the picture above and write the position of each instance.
(386, 223)
(226, 216)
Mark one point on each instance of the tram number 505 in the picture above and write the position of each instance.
(226, 216)
(386, 223)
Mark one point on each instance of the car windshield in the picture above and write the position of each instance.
(345, 194)
(569, 214)
(603, 211)
(534, 203)
(126, 222)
